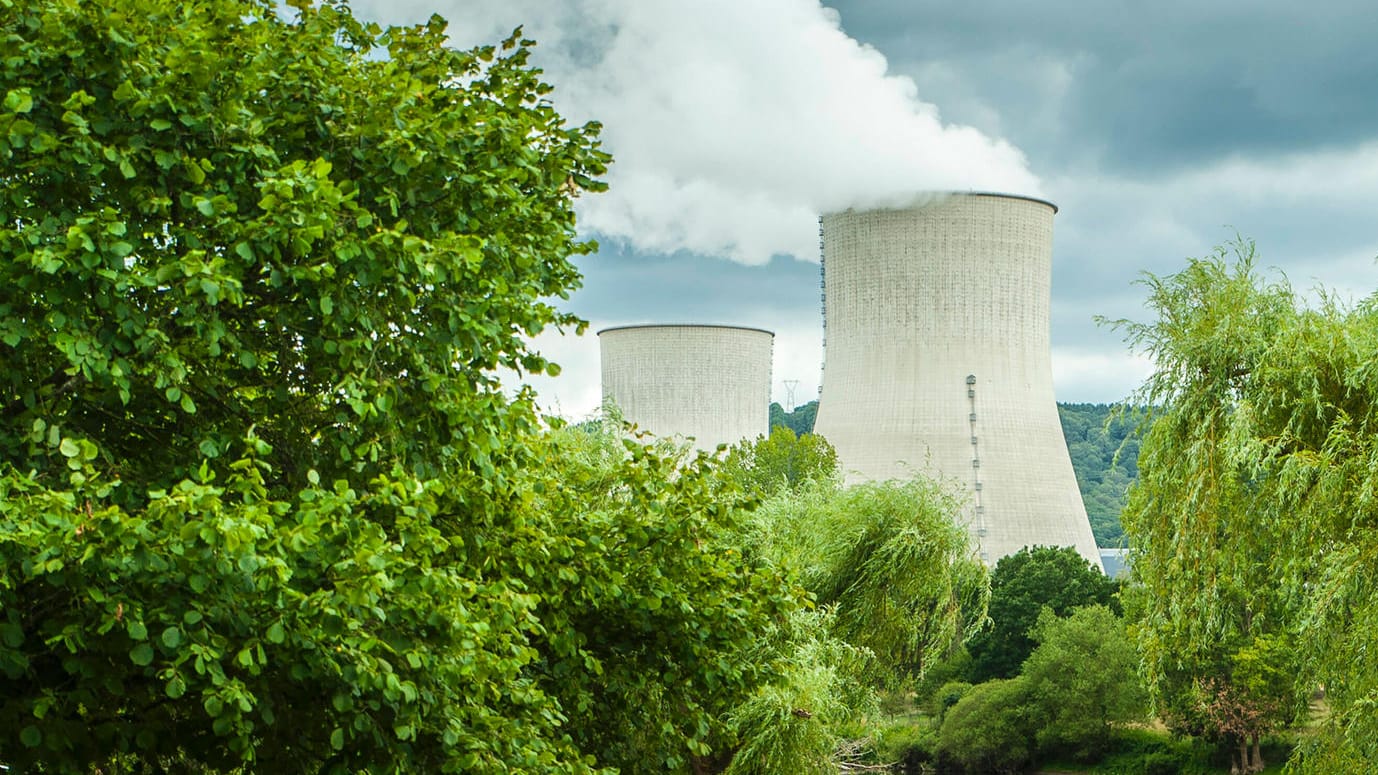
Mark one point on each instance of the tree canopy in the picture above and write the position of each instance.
(782, 460)
(1252, 520)
(1021, 586)
(263, 502)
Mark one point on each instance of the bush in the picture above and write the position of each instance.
(1146, 752)
(946, 696)
(991, 729)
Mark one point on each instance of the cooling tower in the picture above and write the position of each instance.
(936, 360)
(708, 383)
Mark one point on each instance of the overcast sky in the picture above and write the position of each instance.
(1160, 130)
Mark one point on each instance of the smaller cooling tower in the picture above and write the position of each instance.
(706, 382)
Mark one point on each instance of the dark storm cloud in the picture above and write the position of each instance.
(1148, 87)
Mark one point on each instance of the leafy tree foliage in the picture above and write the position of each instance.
(888, 559)
(1084, 677)
(1103, 443)
(262, 503)
(795, 723)
(991, 728)
(1021, 586)
(1252, 520)
(782, 459)
(799, 419)
(217, 219)
(652, 617)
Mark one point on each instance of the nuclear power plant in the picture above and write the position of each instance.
(710, 383)
(937, 361)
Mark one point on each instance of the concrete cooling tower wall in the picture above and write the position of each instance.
(936, 360)
(709, 383)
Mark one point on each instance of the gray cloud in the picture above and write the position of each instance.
(1152, 88)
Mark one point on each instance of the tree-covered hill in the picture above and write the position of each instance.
(1091, 443)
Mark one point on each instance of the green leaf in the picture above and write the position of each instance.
(137, 630)
(69, 448)
(160, 124)
(142, 654)
(18, 101)
(276, 634)
(31, 736)
(176, 687)
(337, 739)
(172, 637)
(327, 305)
(12, 635)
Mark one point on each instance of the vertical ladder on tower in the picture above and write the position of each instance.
(979, 518)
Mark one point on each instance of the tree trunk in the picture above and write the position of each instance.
(1257, 764)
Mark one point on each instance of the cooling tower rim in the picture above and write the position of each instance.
(727, 326)
(935, 195)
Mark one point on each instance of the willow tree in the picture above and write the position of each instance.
(1251, 524)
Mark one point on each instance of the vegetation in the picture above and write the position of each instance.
(1252, 520)
(799, 420)
(782, 460)
(1104, 446)
(1022, 585)
(1084, 678)
(895, 582)
(263, 505)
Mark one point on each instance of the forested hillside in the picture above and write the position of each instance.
(1090, 442)
(1103, 480)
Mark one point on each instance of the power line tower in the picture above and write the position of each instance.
(790, 385)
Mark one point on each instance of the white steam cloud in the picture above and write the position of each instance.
(733, 124)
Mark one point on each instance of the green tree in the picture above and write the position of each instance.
(262, 503)
(1084, 677)
(799, 419)
(1251, 522)
(1021, 586)
(896, 585)
(218, 219)
(991, 728)
(889, 560)
(782, 459)
(654, 622)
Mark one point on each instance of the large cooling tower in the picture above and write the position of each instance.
(711, 383)
(936, 360)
